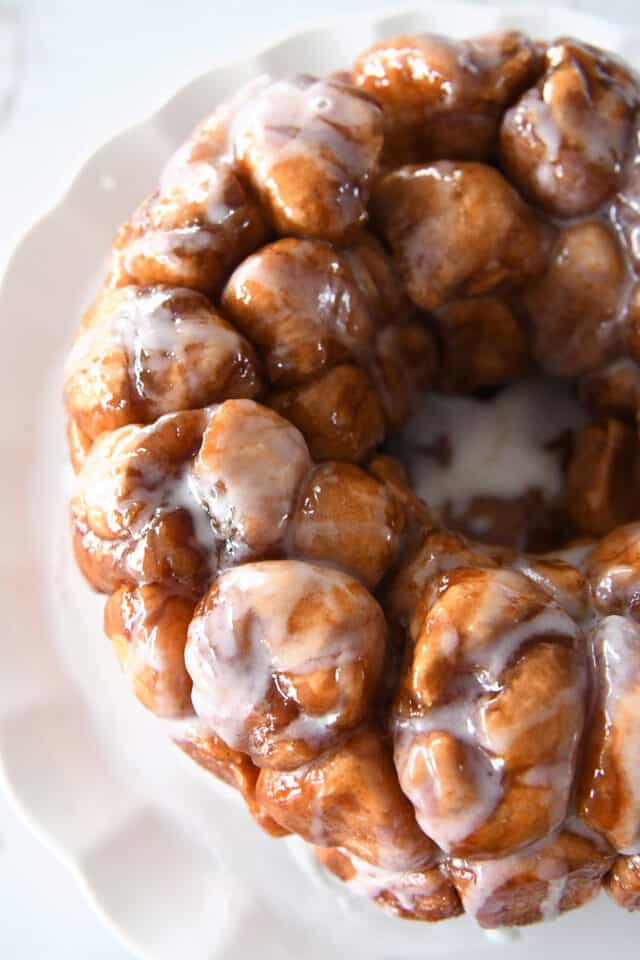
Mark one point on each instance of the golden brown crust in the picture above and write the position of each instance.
(148, 628)
(285, 658)
(574, 128)
(612, 391)
(553, 878)
(426, 895)
(443, 99)
(190, 233)
(405, 363)
(359, 806)
(602, 477)
(574, 307)
(142, 352)
(613, 571)
(298, 302)
(127, 525)
(607, 788)
(232, 767)
(339, 413)
(458, 230)
(348, 518)
(309, 149)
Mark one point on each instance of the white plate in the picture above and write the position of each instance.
(174, 865)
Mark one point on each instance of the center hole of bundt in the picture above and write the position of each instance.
(494, 466)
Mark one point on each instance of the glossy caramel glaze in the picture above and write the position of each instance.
(453, 724)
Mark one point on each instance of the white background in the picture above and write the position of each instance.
(72, 73)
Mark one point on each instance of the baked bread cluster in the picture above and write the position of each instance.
(452, 725)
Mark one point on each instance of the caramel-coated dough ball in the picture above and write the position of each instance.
(144, 352)
(529, 521)
(211, 141)
(339, 413)
(458, 230)
(298, 301)
(284, 657)
(613, 571)
(612, 391)
(246, 475)
(349, 519)
(231, 766)
(623, 883)
(349, 797)
(391, 472)
(310, 148)
(443, 98)
(483, 344)
(437, 552)
(603, 477)
(190, 234)
(609, 788)
(405, 364)
(553, 877)
(425, 895)
(561, 580)
(134, 516)
(489, 713)
(377, 281)
(575, 308)
(564, 143)
(148, 628)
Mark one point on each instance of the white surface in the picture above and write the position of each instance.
(68, 98)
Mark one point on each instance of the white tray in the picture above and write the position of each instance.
(173, 863)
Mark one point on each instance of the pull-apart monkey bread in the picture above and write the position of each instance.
(453, 725)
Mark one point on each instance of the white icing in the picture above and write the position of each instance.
(617, 646)
(572, 603)
(332, 131)
(467, 717)
(210, 141)
(488, 876)
(199, 217)
(497, 447)
(534, 121)
(412, 754)
(247, 636)
(492, 658)
(156, 339)
(247, 474)
(405, 886)
(150, 493)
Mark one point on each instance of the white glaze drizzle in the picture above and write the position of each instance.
(247, 636)
(154, 494)
(324, 125)
(490, 875)
(465, 719)
(246, 475)
(616, 642)
(405, 886)
(155, 338)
